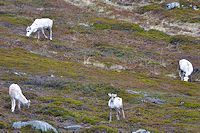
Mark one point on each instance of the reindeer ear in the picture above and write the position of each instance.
(109, 94)
(114, 95)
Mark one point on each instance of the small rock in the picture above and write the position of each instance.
(84, 24)
(19, 73)
(73, 127)
(141, 131)
(133, 92)
(154, 100)
(118, 68)
(40, 125)
(181, 103)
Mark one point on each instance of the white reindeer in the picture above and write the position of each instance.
(185, 70)
(39, 25)
(115, 103)
(16, 94)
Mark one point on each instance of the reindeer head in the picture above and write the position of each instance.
(30, 30)
(186, 78)
(28, 103)
(112, 96)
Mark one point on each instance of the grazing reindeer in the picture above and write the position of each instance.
(115, 103)
(16, 94)
(185, 70)
(39, 25)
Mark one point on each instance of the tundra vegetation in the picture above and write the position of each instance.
(63, 91)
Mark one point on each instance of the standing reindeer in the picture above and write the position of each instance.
(115, 103)
(16, 94)
(185, 70)
(40, 25)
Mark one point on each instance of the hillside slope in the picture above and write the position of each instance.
(139, 65)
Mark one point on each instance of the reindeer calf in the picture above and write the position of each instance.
(16, 94)
(115, 103)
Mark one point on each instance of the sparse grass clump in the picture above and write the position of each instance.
(155, 35)
(117, 51)
(192, 104)
(152, 7)
(13, 78)
(181, 39)
(47, 82)
(55, 111)
(112, 24)
(102, 129)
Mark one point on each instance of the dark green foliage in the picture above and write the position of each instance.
(177, 40)
(155, 34)
(47, 82)
(56, 111)
(3, 125)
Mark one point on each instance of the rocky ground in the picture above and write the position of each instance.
(98, 47)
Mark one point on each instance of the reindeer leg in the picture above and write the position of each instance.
(13, 105)
(123, 113)
(38, 33)
(110, 118)
(44, 33)
(50, 33)
(117, 115)
(19, 105)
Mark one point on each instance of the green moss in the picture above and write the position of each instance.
(83, 117)
(3, 125)
(13, 78)
(55, 111)
(155, 35)
(185, 116)
(4, 3)
(25, 61)
(192, 104)
(101, 128)
(149, 81)
(14, 19)
(104, 23)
